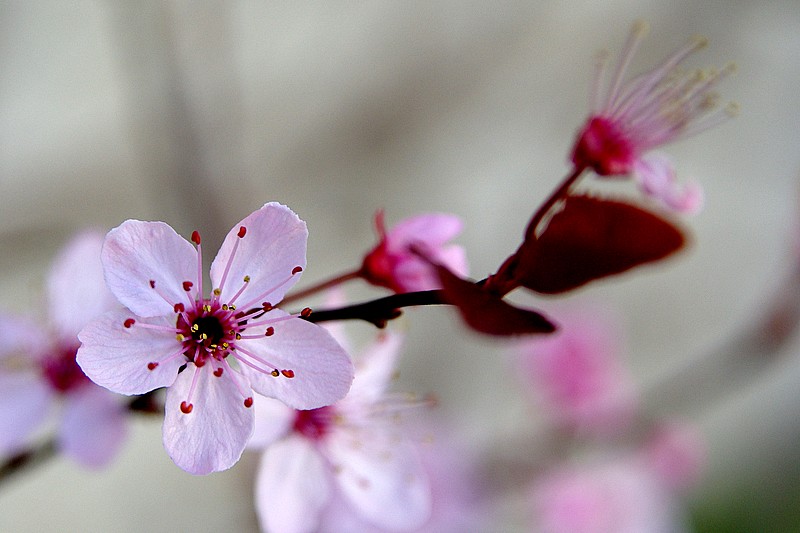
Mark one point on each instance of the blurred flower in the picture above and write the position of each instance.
(615, 496)
(392, 264)
(186, 343)
(655, 108)
(345, 464)
(677, 453)
(577, 374)
(38, 368)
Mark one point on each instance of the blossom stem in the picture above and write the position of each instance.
(557, 195)
(322, 285)
(380, 311)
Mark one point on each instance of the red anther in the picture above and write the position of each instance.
(218, 372)
(270, 332)
(266, 306)
(196, 237)
(187, 285)
(129, 322)
(152, 366)
(305, 313)
(152, 284)
(287, 373)
(179, 308)
(200, 362)
(297, 270)
(248, 402)
(242, 231)
(186, 408)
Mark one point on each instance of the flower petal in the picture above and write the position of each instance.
(434, 229)
(24, 404)
(322, 369)
(76, 290)
(273, 246)
(136, 253)
(375, 368)
(292, 487)
(384, 481)
(116, 357)
(93, 426)
(273, 420)
(656, 177)
(213, 435)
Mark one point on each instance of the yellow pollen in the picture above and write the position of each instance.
(275, 373)
(180, 337)
(195, 327)
(203, 336)
(224, 307)
(207, 308)
(699, 42)
(232, 307)
(238, 336)
(217, 292)
(247, 279)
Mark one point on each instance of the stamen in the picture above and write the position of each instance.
(275, 320)
(288, 373)
(236, 383)
(244, 352)
(306, 312)
(187, 285)
(242, 231)
(186, 406)
(266, 293)
(179, 308)
(246, 281)
(297, 270)
(196, 237)
(218, 372)
(129, 322)
(154, 364)
(248, 402)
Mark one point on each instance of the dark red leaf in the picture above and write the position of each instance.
(591, 238)
(486, 312)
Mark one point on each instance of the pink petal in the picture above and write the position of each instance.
(656, 177)
(136, 253)
(384, 481)
(433, 229)
(273, 246)
(76, 289)
(21, 338)
(93, 426)
(322, 370)
(292, 487)
(375, 368)
(273, 421)
(116, 357)
(213, 435)
(24, 404)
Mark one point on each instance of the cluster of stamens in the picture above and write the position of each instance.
(209, 331)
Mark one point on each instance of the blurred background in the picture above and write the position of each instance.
(198, 113)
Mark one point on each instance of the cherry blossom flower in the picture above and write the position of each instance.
(211, 352)
(577, 375)
(352, 454)
(392, 264)
(38, 371)
(629, 119)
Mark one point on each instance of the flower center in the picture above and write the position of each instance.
(604, 148)
(314, 424)
(62, 371)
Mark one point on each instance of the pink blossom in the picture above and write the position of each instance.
(630, 118)
(614, 496)
(676, 452)
(330, 468)
(211, 352)
(392, 264)
(38, 371)
(577, 375)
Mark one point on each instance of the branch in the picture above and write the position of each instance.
(378, 312)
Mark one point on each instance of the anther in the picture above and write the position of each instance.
(224, 307)
(266, 306)
(270, 332)
(207, 308)
(152, 366)
(246, 279)
(186, 408)
(217, 292)
(218, 372)
(179, 308)
(196, 237)
(242, 231)
(275, 373)
(179, 337)
(297, 270)
(248, 402)
(288, 373)
(306, 312)
(195, 327)
(129, 322)
(238, 336)
(152, 284)
(187, 285)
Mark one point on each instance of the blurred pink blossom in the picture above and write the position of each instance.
(577, 375)
(392, 264)
(677, 453)
(350, 463)
(628, 119)
(211, 352)
(38, 371)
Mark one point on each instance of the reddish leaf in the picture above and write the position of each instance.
(591, 238)
(486, 312)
